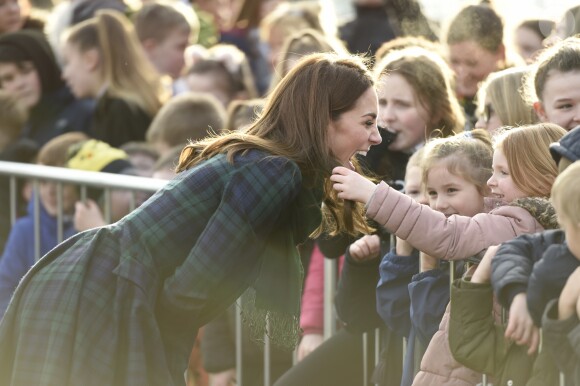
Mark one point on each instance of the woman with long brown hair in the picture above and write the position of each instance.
(121, 304)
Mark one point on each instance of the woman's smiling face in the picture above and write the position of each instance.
(355, 131)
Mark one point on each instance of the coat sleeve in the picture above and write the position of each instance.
(513, 262)
(355, 295)
(548, 279)
(452, 238)
(429, 293)
(15, 261)
(561, 338)
(224, 260)
(475, 341)
(393, 300)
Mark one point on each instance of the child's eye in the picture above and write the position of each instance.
(403, 104)
(432, 193)
(452, 190)
(413, 192)
(564, 106)
(504, 173)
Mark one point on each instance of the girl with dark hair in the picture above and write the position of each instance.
(28, 70)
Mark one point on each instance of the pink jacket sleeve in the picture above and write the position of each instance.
(456, 237)
(312, 312)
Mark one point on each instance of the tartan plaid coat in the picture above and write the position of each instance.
(121, 304)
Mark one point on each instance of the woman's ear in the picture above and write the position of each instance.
(540, 112)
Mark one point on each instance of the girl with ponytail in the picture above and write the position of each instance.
(103, 60)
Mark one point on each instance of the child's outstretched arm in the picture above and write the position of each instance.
(352, 186)
(450, 238)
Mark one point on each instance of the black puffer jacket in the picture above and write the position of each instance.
(514, 261)
(549, 277)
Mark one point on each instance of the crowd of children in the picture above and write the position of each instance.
(471, 256)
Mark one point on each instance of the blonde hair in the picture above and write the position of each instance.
(504, 90)
(127, 72)
(294, 125)
(526, 150)
(566, 194)
(468, 155)
(302, 43)
(416, 160)
(295, 16)
(430, 77)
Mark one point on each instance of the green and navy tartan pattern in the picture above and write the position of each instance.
(121, 305)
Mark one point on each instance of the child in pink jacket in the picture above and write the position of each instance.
(520, 182)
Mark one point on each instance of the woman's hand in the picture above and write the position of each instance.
(351, 186)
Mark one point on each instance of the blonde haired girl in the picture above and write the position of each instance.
(454, 174)
(104, 60)
(500, 102)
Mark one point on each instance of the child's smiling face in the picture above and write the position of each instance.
(501, 182)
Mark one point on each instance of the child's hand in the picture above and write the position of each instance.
(483, 272)
(403, 248)
(366, 248)
(427, 263)
(88, 215)
(351, 186)
(568, 302)
(521, 328)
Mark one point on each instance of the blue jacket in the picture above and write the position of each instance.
(411, 304)
(18, 254)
